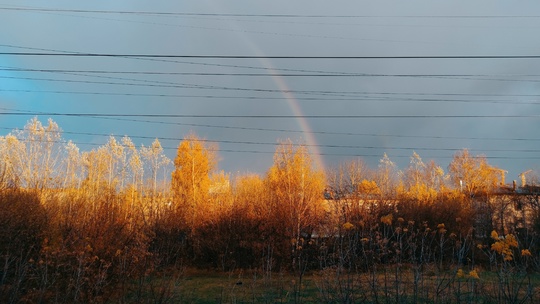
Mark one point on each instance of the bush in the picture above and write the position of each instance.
(23, 221)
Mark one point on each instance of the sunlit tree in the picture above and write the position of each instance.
(190, 183)
(115, 157)
(220, 192)
(156, 159)
(96, 169)
(472, 174)
(422, 181)
(350, 187)
(251, 196)
(72, 166)
(8, 145)
(296, 190)
(386, 176)
(345, 179)
(33, 153)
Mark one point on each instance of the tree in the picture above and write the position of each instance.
(116, 159)
(32, 154)
(296, 190)
(134, 162)
(251, 196)
(386, 176)
(156, 159)
(422, 181)
(345, 180)
(190, 183)
(72, 166)
(96, 165)
(472, 174)
(351, 188)
(9, 164)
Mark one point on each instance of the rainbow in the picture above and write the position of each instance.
(292, 102)
(302, 122)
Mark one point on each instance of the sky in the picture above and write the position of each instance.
(342, 104)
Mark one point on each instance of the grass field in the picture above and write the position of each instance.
(388, 285)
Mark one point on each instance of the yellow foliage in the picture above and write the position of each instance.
(504, 245)
(474, 274)
(295, 188)
(348, 226)
(473, 174)
(194, 162)
(526, 252)
(368, 187)
(511, 240)
(387, 219)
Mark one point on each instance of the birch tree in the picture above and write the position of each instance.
(296, 190)
(190, 184)
(386, 176)
(33, 154)
(72, 166)
(156, 160)
(422, 181)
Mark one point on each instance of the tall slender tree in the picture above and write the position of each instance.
(156, 160)
(195, 161)
(296, 190)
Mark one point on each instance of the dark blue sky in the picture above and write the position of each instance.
(388, 87)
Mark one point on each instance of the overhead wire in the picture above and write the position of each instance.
(258, 19)
(165, 84)
(267, 116)
(273, 69)
(301, 99)
(298, 131)
(42, 9)
(307, 145)
(221, 141)
(323, 154)
(314, 73)
(285, 57)
(319, 74)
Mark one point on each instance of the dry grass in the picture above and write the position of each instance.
(388, 285)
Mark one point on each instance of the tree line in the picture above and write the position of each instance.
(94, 225)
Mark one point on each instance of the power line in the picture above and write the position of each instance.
(262, 15)
(165, 84)
(322, 154)
(299, 72)
(318, 74)
(373, 95)
(268, 57)
(94, 73)
(267, 116)
(221, 141)
(310, 132)
(358, 99)
(183, 62)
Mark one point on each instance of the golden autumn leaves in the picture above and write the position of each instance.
(505, 245)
